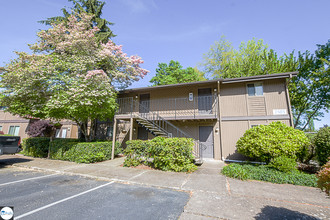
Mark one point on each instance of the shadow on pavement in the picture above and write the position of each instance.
(274, 213)
(11, 161)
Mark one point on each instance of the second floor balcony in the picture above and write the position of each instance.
(202, 107)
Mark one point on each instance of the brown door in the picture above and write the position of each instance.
(205, 101)
(144, 103)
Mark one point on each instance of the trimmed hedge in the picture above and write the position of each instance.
(88, 152)
(168, 154)
(36, 147)
(69, 149)
(265, 142)
(265, 173)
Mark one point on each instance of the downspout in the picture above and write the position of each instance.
(219, 119)
(288, 101)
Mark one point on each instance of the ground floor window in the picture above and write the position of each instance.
(61, 133)
(13, 130)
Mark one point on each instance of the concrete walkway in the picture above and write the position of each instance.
(213, 196)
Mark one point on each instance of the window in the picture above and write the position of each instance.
(0, 127)
(61, 133)
(14, 130)
(255, 89)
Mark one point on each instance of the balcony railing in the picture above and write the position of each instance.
(172, 108)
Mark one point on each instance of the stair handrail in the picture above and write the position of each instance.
(201, 146)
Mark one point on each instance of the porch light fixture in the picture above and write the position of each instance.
(136, 96)
(216, 130)
(215, 90)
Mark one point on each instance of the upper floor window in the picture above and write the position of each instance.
(0, 127)
(255, 89)
(14, 130)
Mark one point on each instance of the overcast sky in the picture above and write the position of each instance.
(181, 30)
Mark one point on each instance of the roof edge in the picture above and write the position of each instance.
(224, 81)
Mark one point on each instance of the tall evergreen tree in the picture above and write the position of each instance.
(88, 6)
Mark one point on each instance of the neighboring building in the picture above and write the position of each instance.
(15, 125)
(215, 113)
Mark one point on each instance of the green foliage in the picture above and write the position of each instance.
(172, 154)
(70, 149)
(36, 147)
(88, 6)
(265, 142)
(308, 150)
(168, 154)
(235, 170)
(309, 91)
(322, 143)
(283, 164)
(265, 173)
(174, 74)
(252, 58)
(324, 178)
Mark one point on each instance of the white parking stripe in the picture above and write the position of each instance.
(33, 178)
(62, 200)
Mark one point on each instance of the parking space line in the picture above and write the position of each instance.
(62, 200)
(33, 178)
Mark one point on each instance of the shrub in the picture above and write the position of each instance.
(265, 173)
(235, 171)
(322, 143)
(168, 154)
(172, 154)
(324, 178)
(40, 128)
(283, 164)
(36, 146)
(265, 142)
(136, 152)
(82, 152)
(308, 152)
(69, 149)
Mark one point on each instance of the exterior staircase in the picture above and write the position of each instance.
(158, 126)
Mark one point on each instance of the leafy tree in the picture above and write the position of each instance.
(174, 74)
(309, 91)
(91, 7)
(252, 58)
(70, 75)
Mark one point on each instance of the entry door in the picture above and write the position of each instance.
(144, 103)
(205, 101)
(142, 133)
(206, 138)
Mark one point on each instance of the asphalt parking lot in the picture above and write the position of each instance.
(41, 195)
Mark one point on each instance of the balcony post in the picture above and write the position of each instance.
(113, 138)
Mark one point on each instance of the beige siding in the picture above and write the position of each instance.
(231, 132)
(275, 95)
(233, 100)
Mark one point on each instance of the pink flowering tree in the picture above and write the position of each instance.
(70, 75)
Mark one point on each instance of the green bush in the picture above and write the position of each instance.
(265, 142)
(283, 164)
(322, 144)
(308, 152)
(265, 173)
(168, 154)
(173, 154)
(36, 146)
(83, 152)
(69, 149)
(324, 178)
